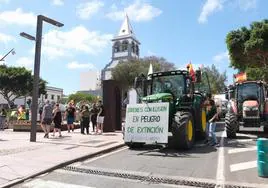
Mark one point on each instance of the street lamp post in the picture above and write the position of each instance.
(38, 42)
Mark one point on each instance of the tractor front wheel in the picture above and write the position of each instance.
(230, 125)
(183, 131)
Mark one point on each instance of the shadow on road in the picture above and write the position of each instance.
(161, 151)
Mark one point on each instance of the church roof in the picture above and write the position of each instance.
(126, 31)
(126, 28)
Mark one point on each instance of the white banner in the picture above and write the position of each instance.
(147, 123)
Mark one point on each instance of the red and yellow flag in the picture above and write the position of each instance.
(240, 77)
(191, 71)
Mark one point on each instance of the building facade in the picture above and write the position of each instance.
(125, 46)
(54, 94)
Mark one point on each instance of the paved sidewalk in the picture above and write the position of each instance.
(22, 159)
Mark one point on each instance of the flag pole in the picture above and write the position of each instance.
(3, 58)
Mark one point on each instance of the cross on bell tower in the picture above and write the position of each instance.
(125, 46)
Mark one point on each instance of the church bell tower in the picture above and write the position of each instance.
(125, 46)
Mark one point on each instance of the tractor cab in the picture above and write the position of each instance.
(250, 100)
(247, 107)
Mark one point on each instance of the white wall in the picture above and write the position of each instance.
(90, 80)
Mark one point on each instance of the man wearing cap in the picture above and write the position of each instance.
(47, 117)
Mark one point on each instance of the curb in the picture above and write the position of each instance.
(15, 182)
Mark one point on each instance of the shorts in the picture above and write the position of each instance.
(100, 119)
(70, 120)
(47, 121)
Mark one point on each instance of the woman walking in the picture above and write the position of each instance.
(57, 119)
(94, 113)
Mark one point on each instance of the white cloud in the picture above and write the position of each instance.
(4, 1)
(221, 57)
(150, 53)
(247, 4)
(212, 6)
(6, 38)
(76, 65)
(58, 2)
(209, 8)
(79, 39)
(88, 9)
(138, 11)
(17, 17)
(25, 62)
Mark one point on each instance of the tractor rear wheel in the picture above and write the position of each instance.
(230, 125)
(265, 129)
(183, 131)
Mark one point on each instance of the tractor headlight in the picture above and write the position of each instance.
(255, 108)
(245, 108)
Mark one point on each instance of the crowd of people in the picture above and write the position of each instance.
(54, 115)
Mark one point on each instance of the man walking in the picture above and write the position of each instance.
(47, 117)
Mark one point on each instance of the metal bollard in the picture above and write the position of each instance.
(262, 150)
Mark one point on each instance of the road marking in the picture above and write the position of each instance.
(243, 166)
(105, 155)
(239, 141)
(238, 150)
(39, 183)
(220, 179)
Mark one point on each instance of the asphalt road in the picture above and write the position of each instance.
(234, 163)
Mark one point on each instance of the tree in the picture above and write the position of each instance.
(17, 82)
(216, 79)
(78, 97)
(126, 71)
(248, 48)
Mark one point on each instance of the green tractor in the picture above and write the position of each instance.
(185, 97)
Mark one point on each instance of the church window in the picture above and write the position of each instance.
(117, 47)
(124, 45)
(137, 50)
(133, 47)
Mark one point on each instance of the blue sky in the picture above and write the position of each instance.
(178, 30)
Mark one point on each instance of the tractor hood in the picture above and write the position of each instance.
(159, 97)
(250, 103)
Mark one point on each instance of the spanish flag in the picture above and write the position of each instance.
(191, 71)
(240, 77)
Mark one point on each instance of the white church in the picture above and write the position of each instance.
(125, 46)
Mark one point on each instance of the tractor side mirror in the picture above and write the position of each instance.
(198, 76)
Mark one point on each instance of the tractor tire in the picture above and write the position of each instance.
(230, 125)
(183, 131)
(134, 145)
(265, 130)
(201, 133)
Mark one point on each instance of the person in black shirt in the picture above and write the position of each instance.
(94, 113)
(100, 118)
(70, 116)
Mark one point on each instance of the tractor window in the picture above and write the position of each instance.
(248, 91)
(174, 84)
